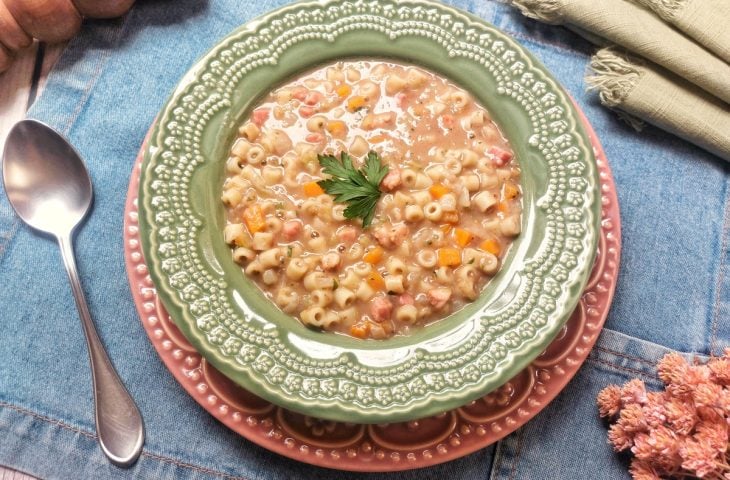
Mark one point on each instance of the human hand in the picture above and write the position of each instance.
(49, 21)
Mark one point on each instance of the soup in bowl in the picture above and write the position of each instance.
(369, 198)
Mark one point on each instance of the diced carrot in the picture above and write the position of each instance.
(343, 91)
(491, 245)
(312, 189)
(254, 218)
(510, 191)
(438, 190)
(373, 256)
(450, 217)
(462, 237)
(360, 330)
(446, 228)
(375, 280)
(503, 207)
(337, 128)
(449, 257)
(355, 103)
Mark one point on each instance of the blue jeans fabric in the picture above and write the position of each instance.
(673, 292)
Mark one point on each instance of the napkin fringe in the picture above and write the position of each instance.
(664, 8)
(547, 11)
(614, 77)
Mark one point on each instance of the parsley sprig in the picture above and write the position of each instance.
(359, 189)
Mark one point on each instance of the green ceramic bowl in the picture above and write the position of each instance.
(442, 366)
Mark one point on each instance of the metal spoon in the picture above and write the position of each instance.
(50, 189)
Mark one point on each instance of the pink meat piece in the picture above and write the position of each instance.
(312, 98)
(392, 180)
(291, 229)
(390, 236)
(406, 299)
(501, 157)
(438, 297)
(381, 308)
(347, 234)
(260, 116)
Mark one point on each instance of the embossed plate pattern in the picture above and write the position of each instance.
(396, 446)
(442, 366)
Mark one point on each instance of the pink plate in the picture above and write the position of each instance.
(397, 446)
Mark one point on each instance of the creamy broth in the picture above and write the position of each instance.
(450, 205)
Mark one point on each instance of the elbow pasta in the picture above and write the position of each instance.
(450, 206)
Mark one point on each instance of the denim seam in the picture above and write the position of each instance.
(624, 355)
(154, 456)
(8, 236)
(497, 460)
(625, 369)
(518, 452)
(721, 274)
(104, 58)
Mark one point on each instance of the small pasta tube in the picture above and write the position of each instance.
(287, 299)
(344, 297)
(407, 314)
(271, 258)
(233, 232)
(242, 255)
(394, 284)
(262, 241)
(433, 211)
(321, 298)
(296, 269)
(484, 200)
(427, 258)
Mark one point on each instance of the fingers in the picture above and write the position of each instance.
(103, 8)
(11, 35)
(47, 20)
(5, 59)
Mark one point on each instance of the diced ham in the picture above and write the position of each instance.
(306, 112)
(438, 297)
(390, 236)
(381, 309)
(392, 180)
(401, 99)
(260, 116)
(291, 229)
(312, 98)
(347, 234)
(405, 299)
(447, 120)
(314, 137)
(299, 93)
(501, 157)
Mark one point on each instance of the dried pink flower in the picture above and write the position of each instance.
(698, 457)
(609, 401)
(682, 432)
(714, 434)
(680, 414)
(720, 368)
(707, 395)
(641, 470)
(672, 368)
(632, 419)
(619, 438)
(634, 392)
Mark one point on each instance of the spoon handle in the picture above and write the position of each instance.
(118, 420)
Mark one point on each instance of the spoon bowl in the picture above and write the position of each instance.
(45, 178)
(50, 189)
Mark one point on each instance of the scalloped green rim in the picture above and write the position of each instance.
(442, 366)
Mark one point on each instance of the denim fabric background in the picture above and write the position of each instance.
(673, 292)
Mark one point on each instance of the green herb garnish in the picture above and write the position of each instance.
(289, 251)
(359, 189)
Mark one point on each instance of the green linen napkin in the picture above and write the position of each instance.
(706, 21)
(639, 31)
(647, 91)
